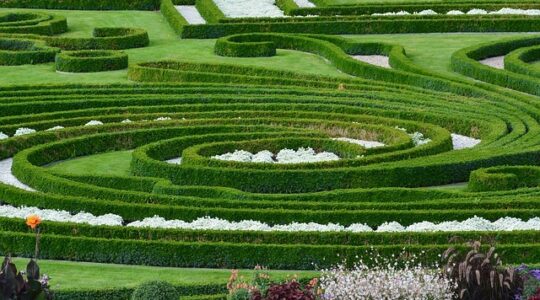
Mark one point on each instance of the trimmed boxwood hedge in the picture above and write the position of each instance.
(91, 61)
(84, 4)
(32, 23)
(519, 61)
(108, 38)
(14, 52)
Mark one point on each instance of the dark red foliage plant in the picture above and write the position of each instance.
(290, 291)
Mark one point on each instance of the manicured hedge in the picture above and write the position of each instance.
(84, 4)
(209, 11)
(91, 61)
(109, 38)
(32, 23)
(173, 17)
(520, 61)
(504, 178)
(14, 52)
(465, 61)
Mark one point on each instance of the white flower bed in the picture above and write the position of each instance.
(417, 137)
(249, 8)
(94, 123)
(363, 143)
(472, 224)
(163, 119)
(3, 136)
(24, 131)
(8, 211)
(285, 156)
(304, 3)
(126, 121)
(474, 11)
(382, 278)
(208, 223)
(55, 128)
(463, 142)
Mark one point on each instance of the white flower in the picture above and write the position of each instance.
(455, 12)
(55, 128)
(476, 11)
(24, 131)
(163, 119)
(426, 12)
(94, 123)
(3, 136)
(284, 156)
(363, 143)
(126, 121)
(463, 142)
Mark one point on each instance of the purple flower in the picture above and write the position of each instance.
(535, 273)
(523, 267)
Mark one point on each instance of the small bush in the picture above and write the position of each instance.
(155, 290)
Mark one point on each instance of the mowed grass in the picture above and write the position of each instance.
(164, 44)
(66, 275)
(112, 163)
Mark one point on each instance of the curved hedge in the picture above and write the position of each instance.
(519, 61)
(32, 23)
(108, 38)
(91, 61)
(465, 61)
(84, 4)
(196, 110)
(14, 52)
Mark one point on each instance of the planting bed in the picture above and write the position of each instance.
(182, 160)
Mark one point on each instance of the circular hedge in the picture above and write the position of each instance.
(91, 61)
(32, 23)
(155, 290)
(14, 52)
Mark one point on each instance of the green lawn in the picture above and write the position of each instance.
(67, 275)
(111, 163)
(164, 44)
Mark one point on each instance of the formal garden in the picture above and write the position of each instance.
(270, 149)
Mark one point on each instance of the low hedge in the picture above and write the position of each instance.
(84, 4)
(504, 178)
(107, 38)
(14, 52)
(91, 61)
(466, 62)
(205, 291)
(367, 25)
(32, 23)
(173, 17)
(209, 11)
(227, 255)
(519, 61)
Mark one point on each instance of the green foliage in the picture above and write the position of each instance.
(209, 11)
(85, 4)
(91, 61)
(158, 290)
(104, 38)
(31, 23)
(14, 52)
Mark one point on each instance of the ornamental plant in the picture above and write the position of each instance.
(15, 285)
(531, 283)
(480, 275)
(398, 278)
(260, 287)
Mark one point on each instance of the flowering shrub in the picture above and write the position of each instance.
(262, 288)
(284, 156)
(531, 283)
(381, 278)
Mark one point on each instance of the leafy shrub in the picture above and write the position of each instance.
(155, 290)
(91, 61)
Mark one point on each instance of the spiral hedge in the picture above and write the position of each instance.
(91, 61)
(207, 109)
(216, 108)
